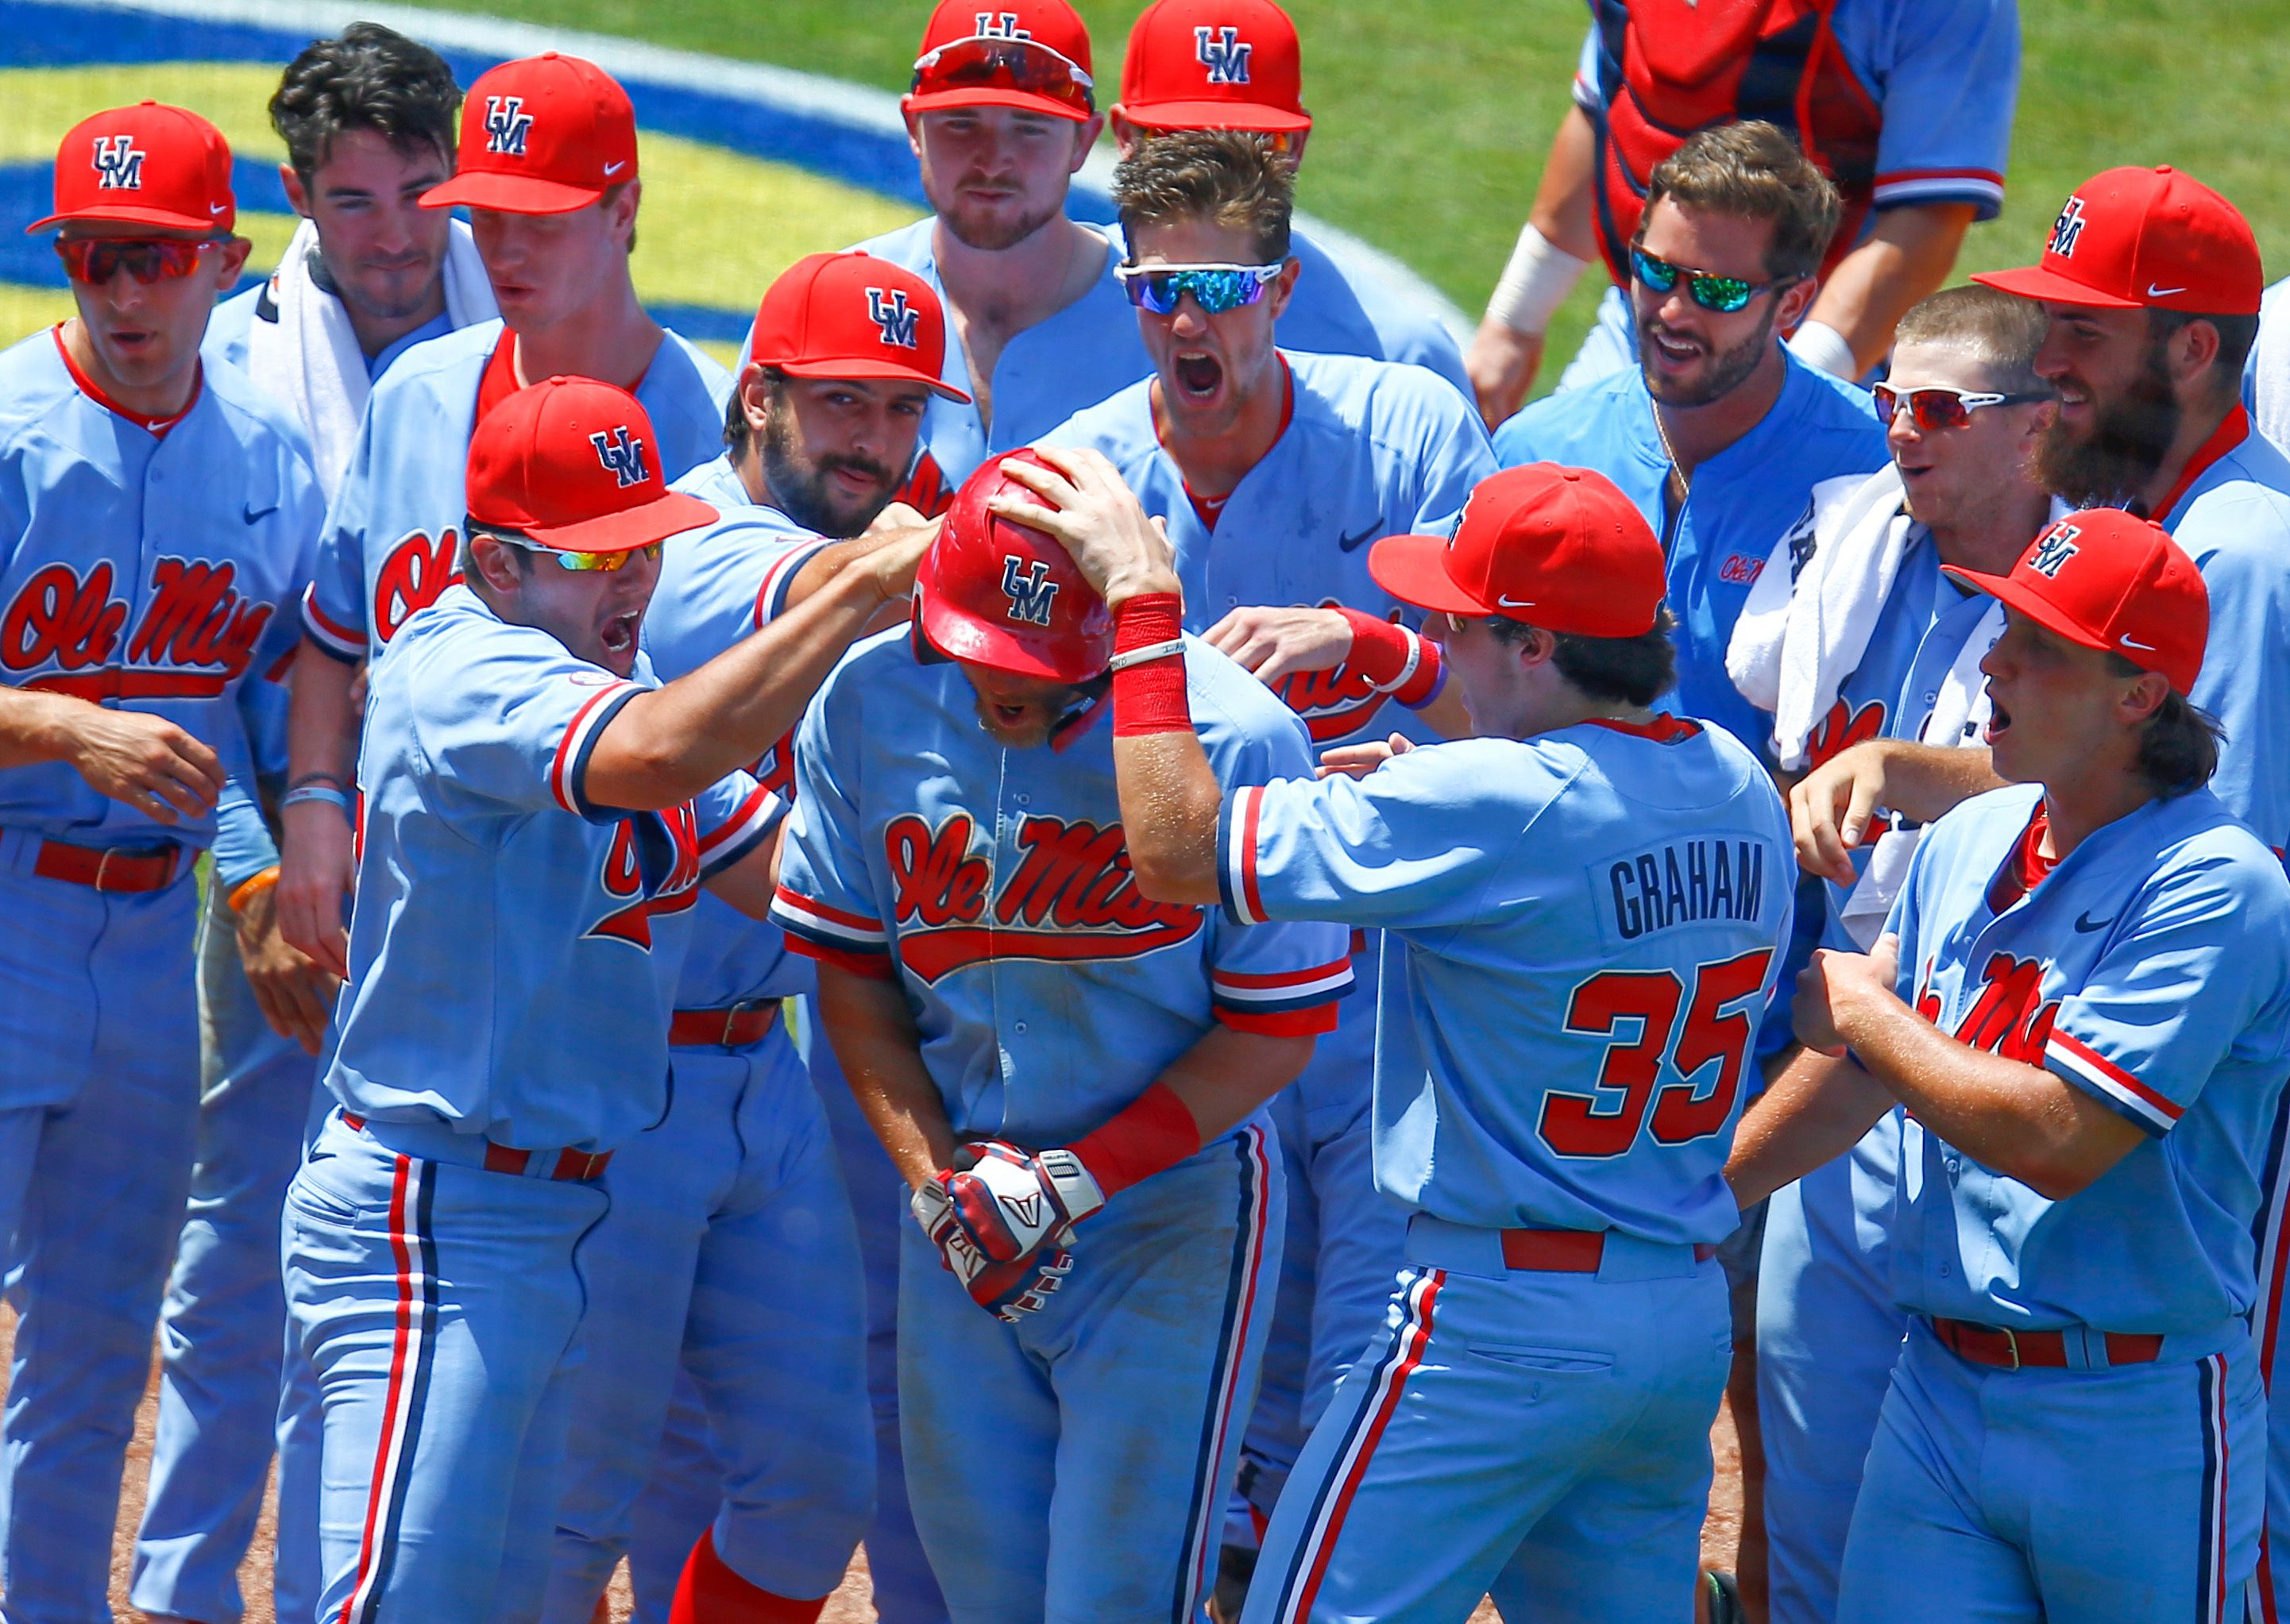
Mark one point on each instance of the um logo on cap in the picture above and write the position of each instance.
(1031, 592)
(1000, 24)
(118, 163)
(893, 317)
(622, 455)
(507, 124)
(1222, 52)
(2054, 549)
(2066, 229)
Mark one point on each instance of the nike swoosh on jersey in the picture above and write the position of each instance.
(254, 513)
(2087, 925)
(1351, 544)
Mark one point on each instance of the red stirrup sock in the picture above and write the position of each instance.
(711, 1593)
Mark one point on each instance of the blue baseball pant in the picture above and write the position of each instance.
(98, 1062)
(1829, 1334)
(728, 1250)
(1540, 1438)
(438, 1305)
(223, 1325)
(2123, 1496)
(1073, 1467)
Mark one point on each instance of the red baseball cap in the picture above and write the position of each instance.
(852, 315)
(573, 464)
(1555, 547)
(2110, 581)
(1032, 54)
(1007, 595)
(546, 134)
(1215, 65)
(2128, 239)
(150, 164)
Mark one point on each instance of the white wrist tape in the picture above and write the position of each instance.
(1819, 344)
(1534, 284)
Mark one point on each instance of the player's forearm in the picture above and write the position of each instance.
(1908, 253)
(821, 569)
(38, 727)
(1563, 196)
(322, 722)
(1926, 782)
(1814, 1111)
(2024, 1121)
(1170, 803)
(667, 745)
(1228, 1074)
(873, 1031)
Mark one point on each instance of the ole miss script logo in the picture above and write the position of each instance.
(1070, 897)
(414, 576)
(195, 638)
(1334, 703)
(623, 878)
(1843, 728)
(2009, 1018)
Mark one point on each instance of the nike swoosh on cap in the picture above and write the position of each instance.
(1505, 601)
(614, 169)
(2155, 292)
(2133, 643)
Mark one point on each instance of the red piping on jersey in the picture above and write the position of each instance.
(2233, 430)
(1663, 728)
(2027, 867)
(156, 427)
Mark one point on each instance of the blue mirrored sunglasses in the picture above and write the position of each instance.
(1723, 294)
(1215, 288)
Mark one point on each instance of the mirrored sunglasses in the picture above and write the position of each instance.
(567, 558)
(96, 260)
(990, 62)
(1721, 294)
(1215, 288)
(1937, 406)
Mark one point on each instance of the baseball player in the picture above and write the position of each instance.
(739, 1182)
(158, 520)
(1875, 642)
(1719, 433)
(548, 168)
(1002, 114)
(1269, 469)
(1905, 104)
(1069, 1077)
(368, 123)
(534, 819)
(1582, 909)
(2082, 998)
(1236, 65)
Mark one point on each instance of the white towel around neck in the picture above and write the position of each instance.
(310, 358)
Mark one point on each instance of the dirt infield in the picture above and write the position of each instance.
(850, 1604)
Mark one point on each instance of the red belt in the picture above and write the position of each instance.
(2012, 1350)
(1568, 1252)
(108, 869)
(727, 1029)
(579, 1166)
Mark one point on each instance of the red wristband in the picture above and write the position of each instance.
(1149, 697)
(1394, 660)
(1153, 1131)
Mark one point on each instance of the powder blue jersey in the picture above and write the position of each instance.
(514, 947)
(994, 884)
(1045, 374)
(717, 586)
(1742, 500)
(392, 539)
(146, 572)
(1581, 933)
(2149, 969)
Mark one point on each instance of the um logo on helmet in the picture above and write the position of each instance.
(1031, 589)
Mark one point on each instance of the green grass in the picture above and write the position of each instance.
(1432, 120)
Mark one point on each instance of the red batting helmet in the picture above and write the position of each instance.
(1005, 596)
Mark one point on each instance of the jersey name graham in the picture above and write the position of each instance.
(1685, 882)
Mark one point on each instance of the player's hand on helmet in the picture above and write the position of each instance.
(1005, 1288)
(293, 992)
(1090, 511)
(896, 516)
(891, 566)
(316, 868)
(1830, 808)
(1359, 760)
(1276, 642)
(1834, 985)
(145, 761)
(1502, 364)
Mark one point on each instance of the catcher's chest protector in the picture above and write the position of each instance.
(1669, 67)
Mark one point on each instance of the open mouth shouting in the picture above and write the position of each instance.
(618, 636)
(1199, 377)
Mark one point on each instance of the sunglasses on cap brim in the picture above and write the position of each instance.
(1722, 295)
(97, 259)
(569, 558)
(1215, 288)
(992, 62)
(1937, 406)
